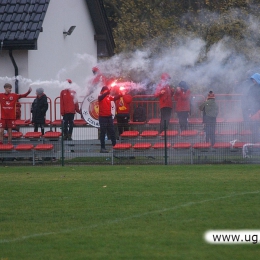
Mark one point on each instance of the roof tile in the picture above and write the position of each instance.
(20, 9)
(2, 9)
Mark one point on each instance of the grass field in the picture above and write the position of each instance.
(126, 212)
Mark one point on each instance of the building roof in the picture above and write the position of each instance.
(21, 23)
(103, 36)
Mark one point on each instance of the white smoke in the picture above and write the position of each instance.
(189, 58)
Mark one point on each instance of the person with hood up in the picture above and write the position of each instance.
(182, 97)
(210, 110)
(38, 109)
(105, 117)
(252, 97)
(68, 107)
(100, 79)
(252, 100)
(164, 92)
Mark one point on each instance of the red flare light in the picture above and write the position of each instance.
(113, 84)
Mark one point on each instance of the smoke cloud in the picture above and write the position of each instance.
(221, 68)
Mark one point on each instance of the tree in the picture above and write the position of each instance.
(136, 22)
(228, 27)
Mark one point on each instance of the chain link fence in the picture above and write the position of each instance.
(231, 142)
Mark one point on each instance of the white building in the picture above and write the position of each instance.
(37, 48)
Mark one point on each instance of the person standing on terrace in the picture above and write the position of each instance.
(210, 110)
(39, 109)
(182, 97)
(8, 103)
(99, 77)
(68, 107)
(164, 92)
(252, 97)
(252, 100)
(123, 110)
(105, 117)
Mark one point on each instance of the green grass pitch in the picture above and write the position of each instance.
(126, 212)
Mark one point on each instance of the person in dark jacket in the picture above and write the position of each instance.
(210, 110)
(164, 92)
(39, 109)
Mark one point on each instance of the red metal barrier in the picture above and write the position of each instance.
(229, 107)
(151, 105)
(57, 114)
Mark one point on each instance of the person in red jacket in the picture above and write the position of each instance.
(68, 107)
(123, 110)
(8, 103)
(99, 77)
(101, 80)
(165, 93)
(105, 117)
(182, 97)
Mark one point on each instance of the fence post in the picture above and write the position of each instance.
(165, 144)
(62, 144)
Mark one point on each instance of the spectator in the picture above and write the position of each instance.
(123, 110)
(210, 110)
(68, 107)
(165, 93)
(8, 103)
(182, 98)
(105, 117)
(39, 109)
(252, 97)
(99, 78)
(252, 100)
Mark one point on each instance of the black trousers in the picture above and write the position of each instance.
(165, 116)
(183, 119)
(210, 128)
(37, 125)
(122, 122)
(68, 123)
(106, 126)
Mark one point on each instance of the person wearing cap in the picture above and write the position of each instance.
(8, 102)
(210, 111)
(99, 77)
(105, 117)
(68, 107)
(182, 97)
(164, 92)
(38, 109)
